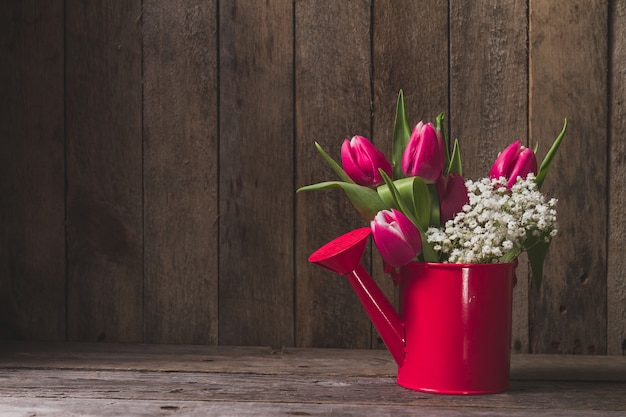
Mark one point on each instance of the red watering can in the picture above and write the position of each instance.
(453, 333)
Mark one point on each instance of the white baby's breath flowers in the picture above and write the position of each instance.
(497, 224)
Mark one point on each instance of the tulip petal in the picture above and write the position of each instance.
(361, 160)
(452, 196)
(408, 230)
(505, 160)
(398, 241)
(424, 155)
(526, 163)
(351, 166)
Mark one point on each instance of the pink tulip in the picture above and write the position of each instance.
(453, 196)
(424, 155)
(515, 161)
(396, 237)
(361, 161)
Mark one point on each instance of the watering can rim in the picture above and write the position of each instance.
(462, 265)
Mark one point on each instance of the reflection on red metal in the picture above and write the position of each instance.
(453, 333)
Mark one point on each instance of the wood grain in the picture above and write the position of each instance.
(54, 407)
(408, 54)
(489, 101)
(256, 200)
(333, 102)
(531, 395)
(616, 264)
(265, 360)
(488, 80)
(104, 172)
(568, 79)
(180, 167)
(151, 151)
(32, 207)
(51, 378)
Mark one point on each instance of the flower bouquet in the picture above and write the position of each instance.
(420, 207)
(450, 244)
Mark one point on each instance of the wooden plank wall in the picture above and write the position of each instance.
(151, 149)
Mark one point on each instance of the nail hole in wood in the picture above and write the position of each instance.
(584, 278)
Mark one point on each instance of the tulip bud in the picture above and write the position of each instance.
(397, 239)
(424, 155)
(515, 161)
(361, 161)
(453, 196)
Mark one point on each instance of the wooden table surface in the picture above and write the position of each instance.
(69, 379)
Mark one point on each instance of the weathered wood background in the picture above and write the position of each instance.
(151, 149)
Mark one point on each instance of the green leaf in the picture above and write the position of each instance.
(414, 195)
(401, 135)
(510, 255)
(334, 165)
(453, 166)
(402, 204)
(547, 161)
(386, 194)
(435, 212)
(441, 127)
(422, 198)
(537, 255)
(428, 253)
(364, 199)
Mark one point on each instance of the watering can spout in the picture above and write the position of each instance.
(343, 256)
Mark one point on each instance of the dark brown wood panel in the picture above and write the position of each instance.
(104, 172)
(333, 102)
(489, 100)
(256, 173)
(616, 274)
(568, 79)
(180, 168)
(32, 242)
(151, 152)
(408, 54)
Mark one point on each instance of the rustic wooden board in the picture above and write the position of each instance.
(256, 199)
(32, 207)
(409, 53)
(180, 170)
(195, 358)
(240, 117)
(333, 102)
(489, 101)
(51, 378)
(104, 172)
(616, 270)
(264, 360)
(191, 386)
(51, 407)
(568, 79)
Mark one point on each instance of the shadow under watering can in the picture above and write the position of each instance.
(453, 332)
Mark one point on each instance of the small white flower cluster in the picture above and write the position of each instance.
(497, 224)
